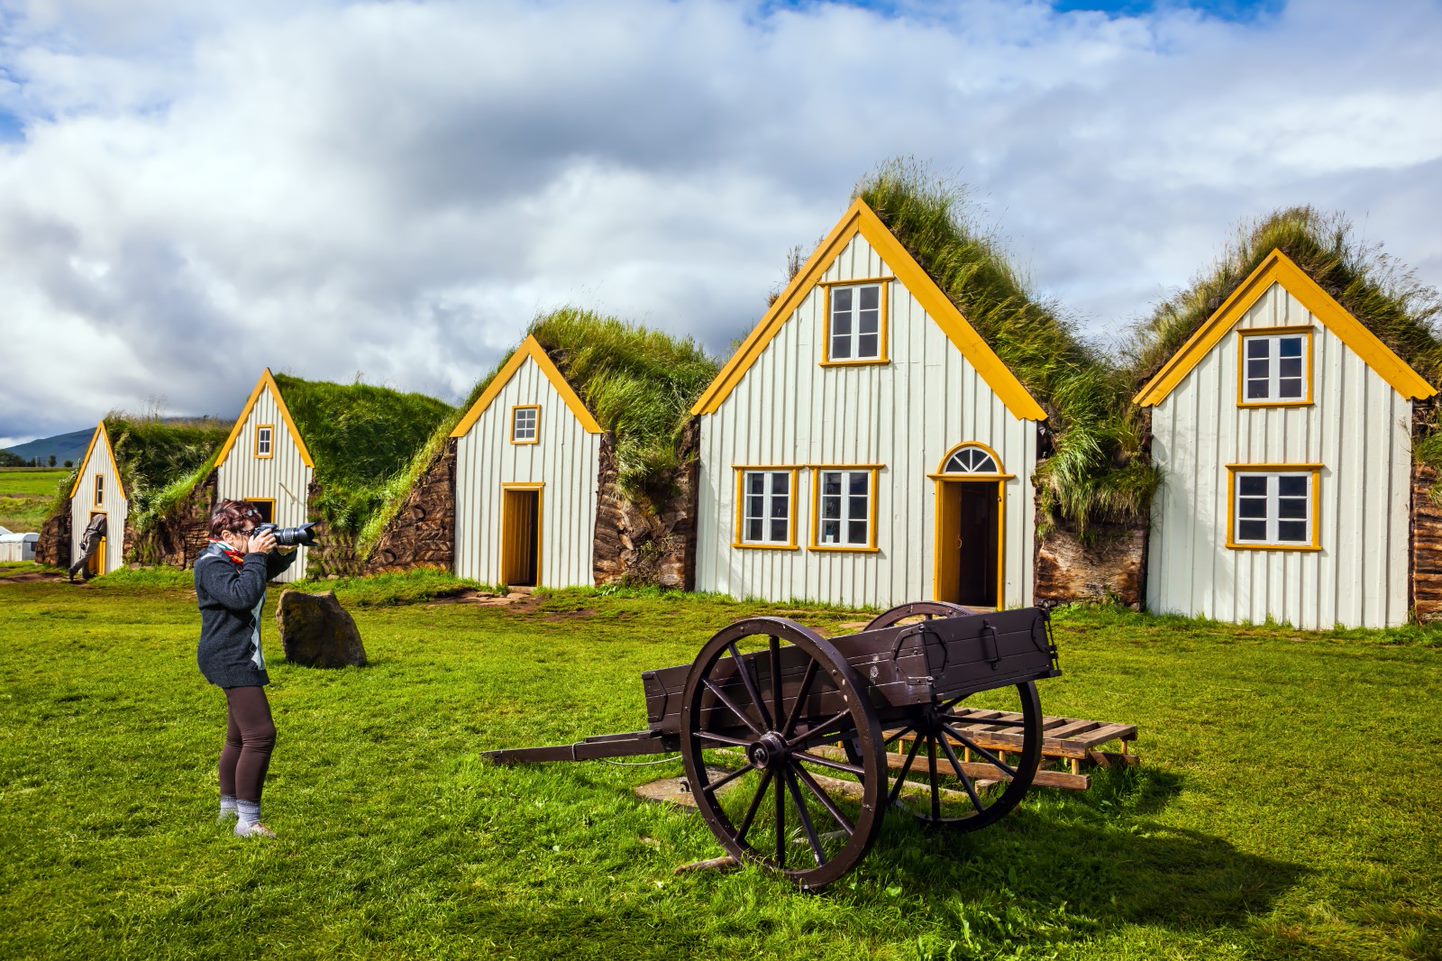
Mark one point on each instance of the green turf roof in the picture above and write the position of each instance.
(1098, 471)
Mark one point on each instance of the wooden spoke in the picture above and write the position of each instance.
(825, 727)
(905, 769)
(898, 734)
(744, 669)
(755, 807)
(827, 762)
(805, 817)
(802, 693)
(825, 800)
(776, 678)
(961, 774)
(998, 762)
(780, 824)
(715, 786)
(731, 705)
(935, 787)
(723, 739)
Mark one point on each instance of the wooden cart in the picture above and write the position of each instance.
(781, 730)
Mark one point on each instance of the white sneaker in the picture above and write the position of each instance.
(252, 829)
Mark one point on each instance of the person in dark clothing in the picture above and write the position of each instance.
(230, 580)
(89, 544)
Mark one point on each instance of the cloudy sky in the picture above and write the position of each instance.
(191, 192)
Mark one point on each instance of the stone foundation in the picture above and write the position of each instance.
(53, 547)
(1426, 546)
(1109, 567)
(423, 533)
(181, 536)
(639, 546)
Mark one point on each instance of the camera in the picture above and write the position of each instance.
(304, 535)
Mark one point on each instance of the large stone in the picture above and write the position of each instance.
(317, 631)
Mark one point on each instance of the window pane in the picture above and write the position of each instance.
(754, 506)
(1258, 347)
(780, 508)
(1257, 389)
(1292, 508)
(870, 297)
(1257, 369)
(779, 531)
(753, 529)
(831, 482)
(831, 507)
(1289, 388)
(869, 322)
(860, 482)
(857, 508)
(856, 532)
(1251, 485)
(841, 299)
(870, 346)
(1293, 532)
(841, 348)
(841, 324)
(1290, 347)
(755, 483)
(1250, 507)
(1292, 486)
(830, 532)
(1289, 367)
(780, 483)
(1252, 530)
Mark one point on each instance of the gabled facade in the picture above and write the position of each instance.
(265, 461)
(1283, 429)
(98, 489)
(865, 445)
(528, 456)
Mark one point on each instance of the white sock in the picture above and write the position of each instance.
(249, 811)
(227, 806)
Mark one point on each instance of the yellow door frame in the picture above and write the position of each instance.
(945, 559)
(100, 551)
(508, 534)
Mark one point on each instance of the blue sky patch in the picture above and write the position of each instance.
(1237, 11)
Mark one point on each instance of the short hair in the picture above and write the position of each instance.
(230, 515)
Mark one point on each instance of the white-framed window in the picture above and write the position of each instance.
(971, 460)
(264, 441)
(99, 490)
(525, 425)
(767, 511)
(856, 327)
(844, 509)
(1276, 367)
(1275, 507)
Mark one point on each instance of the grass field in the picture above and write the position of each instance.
(25, 497)
(1286, 806)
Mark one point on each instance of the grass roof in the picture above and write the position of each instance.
(152, 455)
(638, 383)
(1372, 286)
(359, 437)
(1097, 471)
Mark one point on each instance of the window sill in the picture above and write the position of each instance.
(765, 547)
(830, 549)
(1304, 548)
(1251, 405)
(868, 362)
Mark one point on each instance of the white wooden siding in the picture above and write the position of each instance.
(115, 507)
(283, 477)
(1358, 427)
(905, 415)
(566, 460)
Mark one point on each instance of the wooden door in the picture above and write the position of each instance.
(521, 537)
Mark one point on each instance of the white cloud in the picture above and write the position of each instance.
(397, 188)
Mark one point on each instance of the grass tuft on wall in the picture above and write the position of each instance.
(1097, 471)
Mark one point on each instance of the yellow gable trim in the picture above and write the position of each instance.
(1278, 268)
(266, 382)
(530, 349)
(100, 434)
(861, 219)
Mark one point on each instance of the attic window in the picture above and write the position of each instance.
(99, 490)
(971, 459)
(1276, 368)
(525, 425)
(264, 441)
(856, 323)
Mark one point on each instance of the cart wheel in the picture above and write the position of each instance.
(751, 722)
(925, 610)
(966, 785)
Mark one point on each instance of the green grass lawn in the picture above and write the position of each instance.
(1286, 806)
(25, 497)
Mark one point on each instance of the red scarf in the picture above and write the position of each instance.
(236, 557)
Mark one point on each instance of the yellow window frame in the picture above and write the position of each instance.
(1308, 331)
(536, 435)
(269, 453)
(1315, 470)
(738, 541)
(99, 490)
(883, 329)
(872, 520)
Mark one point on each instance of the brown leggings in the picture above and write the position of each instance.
(249, 738)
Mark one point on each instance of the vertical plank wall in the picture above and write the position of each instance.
(284, 478)
(116, 508)
(566, 460)
(1358, 427)
(905, 415)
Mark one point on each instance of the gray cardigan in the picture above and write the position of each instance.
(231, 599)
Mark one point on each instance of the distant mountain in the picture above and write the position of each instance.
(65, 447)
(71, 446)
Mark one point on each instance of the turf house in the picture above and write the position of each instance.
(570, 465)
(1288, 392)
(129, 474)
(905, 420)
(313, 451)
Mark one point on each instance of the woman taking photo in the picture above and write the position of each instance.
(230, 579)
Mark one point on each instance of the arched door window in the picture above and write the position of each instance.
(971, 459)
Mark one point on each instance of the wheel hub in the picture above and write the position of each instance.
(767, 752)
